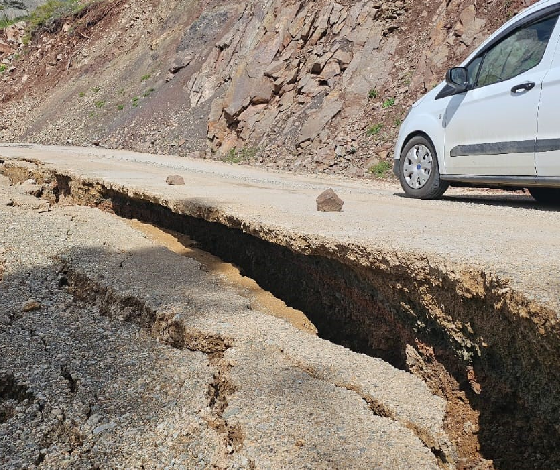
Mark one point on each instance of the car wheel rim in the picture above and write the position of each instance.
(417, 166)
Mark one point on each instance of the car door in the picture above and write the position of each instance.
(492, 128)
(548, 136)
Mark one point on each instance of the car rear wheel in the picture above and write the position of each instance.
(546, 195)
(419, 170)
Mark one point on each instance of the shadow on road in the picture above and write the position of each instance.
(502, 199)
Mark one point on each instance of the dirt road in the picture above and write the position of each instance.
(507, 234)
(461, 292)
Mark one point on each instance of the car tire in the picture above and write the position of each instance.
(419, 170)
(549, 196)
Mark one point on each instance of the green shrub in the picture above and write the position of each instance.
(45, 15)
(374, 130)
(50, 11)
(244, 154)
(372, 94)
(99, 104)
(5, 22)
(3, 67)
(148, 92)
(145, 77)
(388, 103)
(380, 169)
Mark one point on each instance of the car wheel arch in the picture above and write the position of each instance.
(426, 135)
(411, 136)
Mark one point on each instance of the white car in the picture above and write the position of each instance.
(495, 121)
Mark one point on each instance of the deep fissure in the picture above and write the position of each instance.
(11, 394)
(503, 379)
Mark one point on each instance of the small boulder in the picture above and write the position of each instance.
(175, 180)
(328, 201)
(31, 305)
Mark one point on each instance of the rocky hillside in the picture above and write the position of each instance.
(11, 9)
(312, 86)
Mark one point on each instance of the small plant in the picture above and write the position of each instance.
(99, 104)
(407, 79)
(398, 122)
(242, 155)
(135, 101)
(372, 94)
(145, 77)
(120, 107)
(121, 91)
(5, 22)
(49, 12)
(91, 114)
(374, 130)
(388, 103)
(81, 94)
(3, 67)
(380, 169)
(95, 89)
(232, 156)
(148, 92)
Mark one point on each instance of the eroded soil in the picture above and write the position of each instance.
(259, 298)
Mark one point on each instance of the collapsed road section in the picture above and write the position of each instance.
(485, 343)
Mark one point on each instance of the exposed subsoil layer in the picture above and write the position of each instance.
(502, 383)
(260, 299)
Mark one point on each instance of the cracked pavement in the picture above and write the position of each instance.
(118, 353)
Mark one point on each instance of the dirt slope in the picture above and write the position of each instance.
(312, 86)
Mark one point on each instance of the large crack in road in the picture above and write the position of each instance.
(134, 356)
(489, 351)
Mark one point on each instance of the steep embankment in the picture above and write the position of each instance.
(315, 86)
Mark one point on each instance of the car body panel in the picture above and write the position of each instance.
(547, 158)
(470, 149)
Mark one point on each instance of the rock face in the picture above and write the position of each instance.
(290, 84)
(328, 201)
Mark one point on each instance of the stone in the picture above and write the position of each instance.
(32, 188)
(31, 305)
(328, 201)
(319, 119)
(180, 63)
(238, 96)
(262, 92)
(175, 180)
(343, 58)
(331, 70)
(274, 70)
(5, 49)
